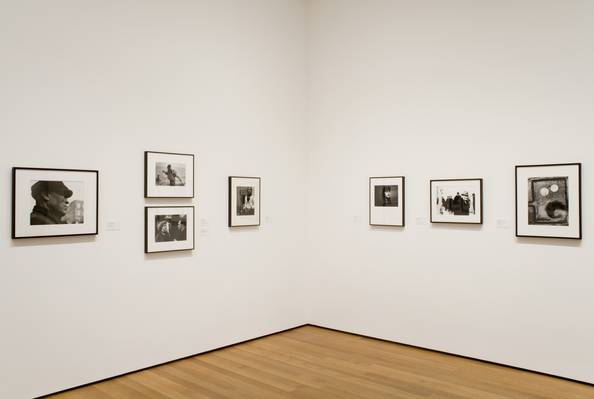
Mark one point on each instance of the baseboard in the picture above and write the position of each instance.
(454, 354)
(168, 362)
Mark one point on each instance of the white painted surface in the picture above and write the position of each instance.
(93, 85)
(424, 89)
(448, 89)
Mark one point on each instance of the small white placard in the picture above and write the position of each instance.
(112, 226)
(504, 224)
(203, 227)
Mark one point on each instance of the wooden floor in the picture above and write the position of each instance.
(310, 362)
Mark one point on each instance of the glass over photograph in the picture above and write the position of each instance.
(168, 175)
(456, 201)
(386, 201)
(169, 229)
(548, 201)
(244, 201)
(54, 202)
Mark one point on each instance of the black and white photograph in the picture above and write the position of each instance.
(386, 195)
(168, 175)
(457, 201)
(244, 201)
(169, 228)
(54, 202)
(548, 201)
(386, 201)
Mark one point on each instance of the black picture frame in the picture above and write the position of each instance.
(480, 203)
(402, 206)
(146, 228)
(579, 207)
(230, 201)
(146, 174)
(14, 232)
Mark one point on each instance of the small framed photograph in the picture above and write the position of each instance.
(386, 201)
(168, 175)
(244, 201)
(168, 228)
(549, 201)
(457, 201)
(54, 202)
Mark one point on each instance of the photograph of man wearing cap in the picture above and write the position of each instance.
(51, 202)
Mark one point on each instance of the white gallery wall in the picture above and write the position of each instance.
(451, 89)
(92, 85)
(314, 97)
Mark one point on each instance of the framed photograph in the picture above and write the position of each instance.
(457, 201)
(244, 201)
(168, 228)
(168, 175)
(386, 201)
(549, 201)
(54, 202)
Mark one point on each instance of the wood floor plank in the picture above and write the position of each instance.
(252, 368)
(315, 363)
(242, 386)
(331, 370)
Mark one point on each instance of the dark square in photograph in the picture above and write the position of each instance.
(170, 174)
(386, 196)
(171, 228)
(245, 201)
(548, 201)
